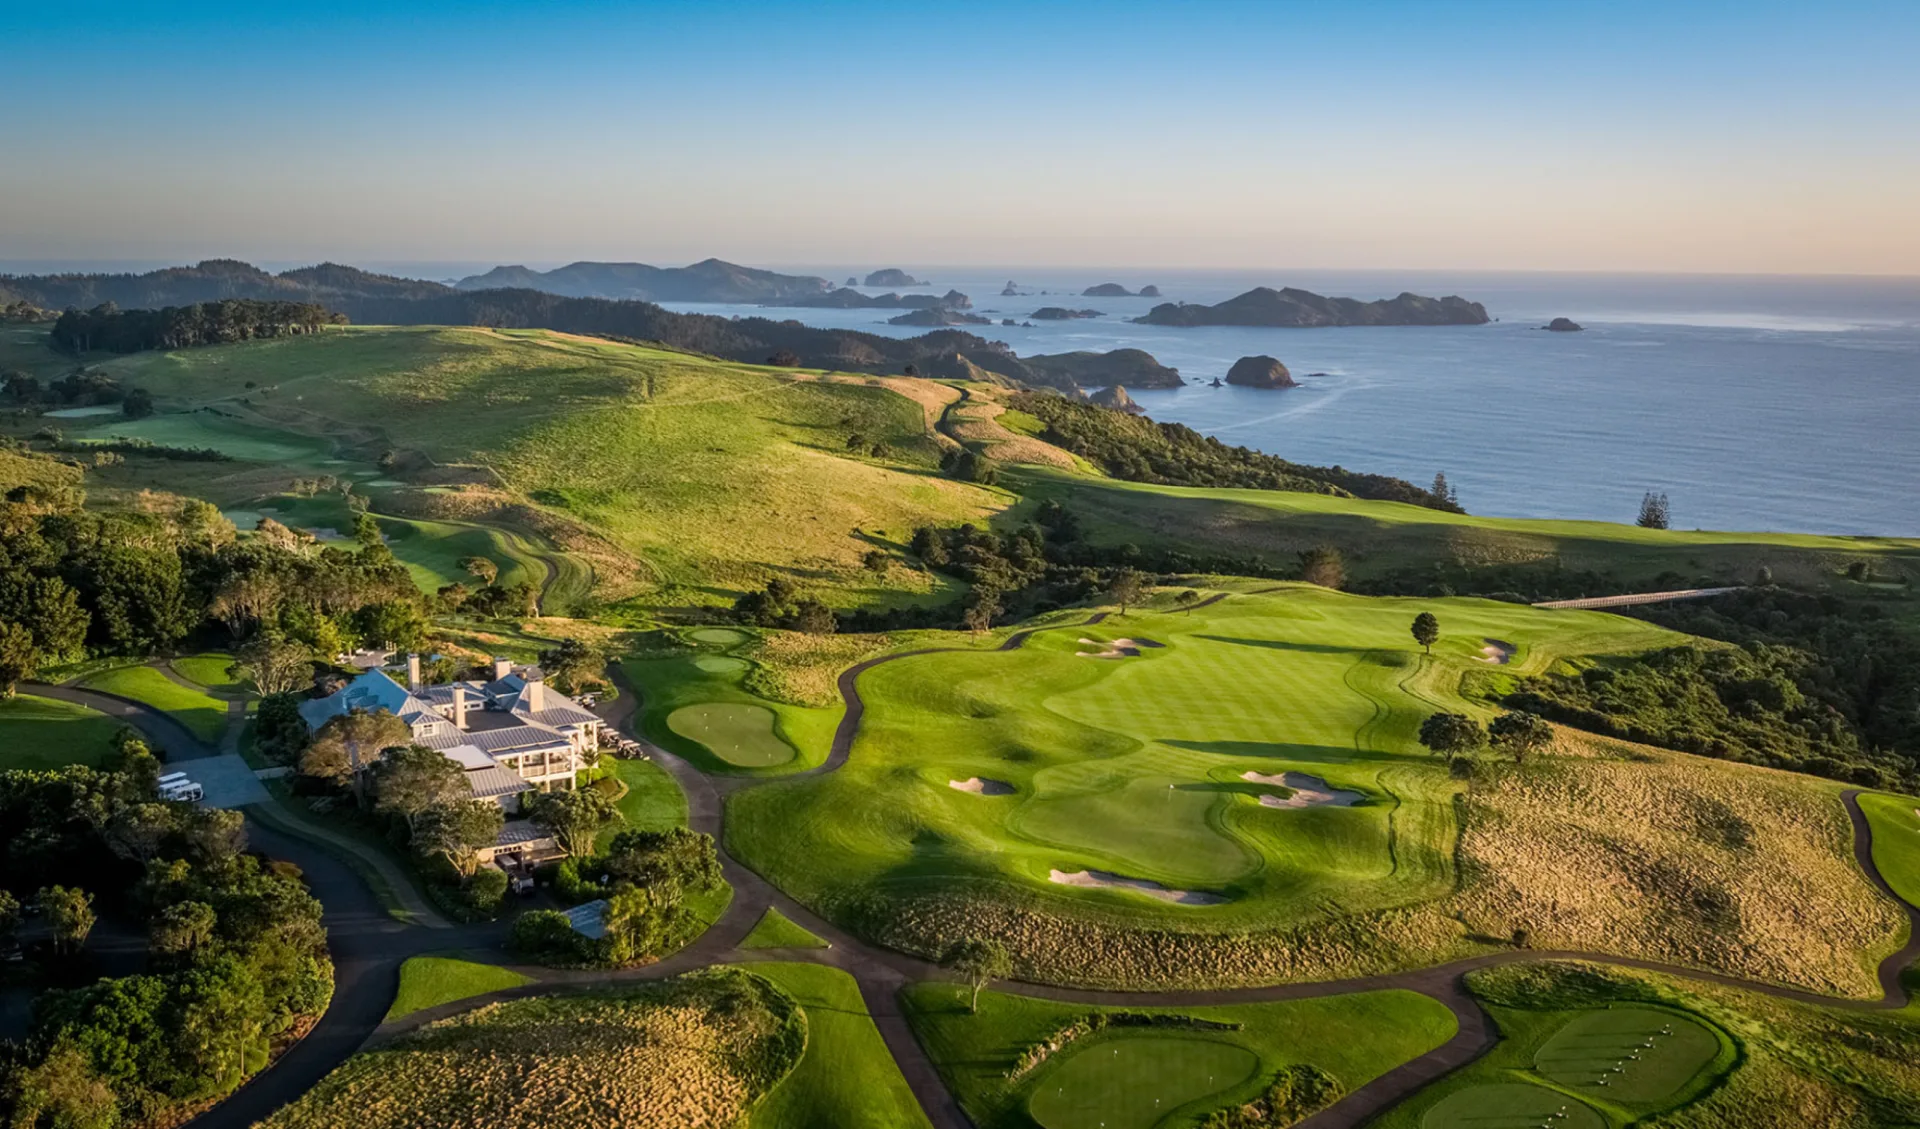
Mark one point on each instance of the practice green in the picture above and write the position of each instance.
(1136, 1083)
(738, 734)
(1510, 1105)
(719, 636)
(720, 664)
(1629, 1054)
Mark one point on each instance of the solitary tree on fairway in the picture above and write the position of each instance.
(1186, 599)
(482, 568)
(1126, 588)
(1426, 630)
(1655, 513)
(1520, 734)
(981, 962)
(1452, 733)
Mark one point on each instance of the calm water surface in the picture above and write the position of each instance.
(1755, 403)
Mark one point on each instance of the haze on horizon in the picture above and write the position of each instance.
(1572, 136)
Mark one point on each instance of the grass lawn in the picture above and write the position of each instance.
(1381, 536)
(739, 734)
(652, 801)
(203, 714)
(1153, 1076)
(40, 733)
(1154, 769)
(777, 931)
(210, 670)
(1895, 821)
(430, 981)
(847, 1078)
(1510, 1105)
(1628, 1054)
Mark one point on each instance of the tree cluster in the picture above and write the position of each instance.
(236, 953)
(1139, 450)
(646, 878)
(108, 328)
(781, 604)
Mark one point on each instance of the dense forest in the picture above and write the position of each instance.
(113, 330)
(1139, 450)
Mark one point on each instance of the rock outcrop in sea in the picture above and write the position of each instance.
(1116, 399)
(1061, 313)
(1291, 308)
(1260, 372)
(1563, 325)
(892, 277)
(1106, 290)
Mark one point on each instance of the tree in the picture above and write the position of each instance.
(69, 913)
(138, 404)
(1655, 513)
(1323, 566)
(411, 779)
(673, 861)
(279, 731)
(573, 664)
(1444, 490)
(9, 920)
(366, 530)
(19, 658)
(63, 1091)
(1520, 734)
(981, 962)
(1426, 630)
(181, 929)
(1186, 598)
(274, 663)
(574, 817)
(481, 568)
(1126, 588)
(814, 617)
(983, 605)
(876, 561)
(1450, 734)
(456, 831)
(136, 831)
(638, 921)
(397, 623)
(349, 744)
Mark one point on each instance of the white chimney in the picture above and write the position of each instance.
(459, 705)
(501, 667)
(413, 671)
(535, 695)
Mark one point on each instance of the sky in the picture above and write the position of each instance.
(1551, 135)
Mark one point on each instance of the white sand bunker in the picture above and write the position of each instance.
(1117, 649)
(981, 787)
(1102, 880)
(1497, 651)
(1308, 791)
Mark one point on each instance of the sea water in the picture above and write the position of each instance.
(1754, 403)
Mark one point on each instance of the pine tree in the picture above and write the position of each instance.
(1654, 512)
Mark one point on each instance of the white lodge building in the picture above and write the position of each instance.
(512, 735)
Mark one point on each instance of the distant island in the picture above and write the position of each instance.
(1294, 308)
(1010, 290)
(1130, 366)
(1115, 290)
(939, 315)
(1563, 325)
(1116, 399)
(847, 298)
(892, 277)
(710, 280)
(1061, 313)
(1260, 372)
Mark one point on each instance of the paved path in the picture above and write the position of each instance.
(369, 948)
(1636, 599)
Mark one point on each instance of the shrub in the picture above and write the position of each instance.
(487, 888)
(546, 935)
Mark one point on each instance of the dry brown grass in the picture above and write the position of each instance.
(978, 421)
(1637, 852)
(802, 669)
(676, 1055)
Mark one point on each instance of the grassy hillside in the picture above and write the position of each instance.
(1379, 537)
(1160, 817)
(713, 476)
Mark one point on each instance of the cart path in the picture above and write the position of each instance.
(369, 947)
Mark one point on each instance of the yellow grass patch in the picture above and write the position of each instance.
(803, 669)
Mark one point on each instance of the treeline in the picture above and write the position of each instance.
(235, 956)
(75, 583)
(108, 328)
(80, 389)
(1137, 449)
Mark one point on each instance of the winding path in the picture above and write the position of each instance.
(369, 946)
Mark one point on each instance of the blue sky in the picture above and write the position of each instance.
(1735, 137)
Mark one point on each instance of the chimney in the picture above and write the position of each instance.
(459, 705)
(501, 667)
(413, 671)
(535, 695)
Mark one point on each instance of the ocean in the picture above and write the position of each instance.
(1754, 403)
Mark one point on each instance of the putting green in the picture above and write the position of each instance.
(1510, 1105)
(718, 636)
(1137, 768)
(720, 664)
(1136, 1083)
(738, 734)
(1628, 1054)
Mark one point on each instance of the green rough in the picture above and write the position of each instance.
(429, 981)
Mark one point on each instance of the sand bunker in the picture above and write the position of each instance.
(1117, 649)
(1308, 791)
(1497, 651)
(1102, 880)
(980, 787)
